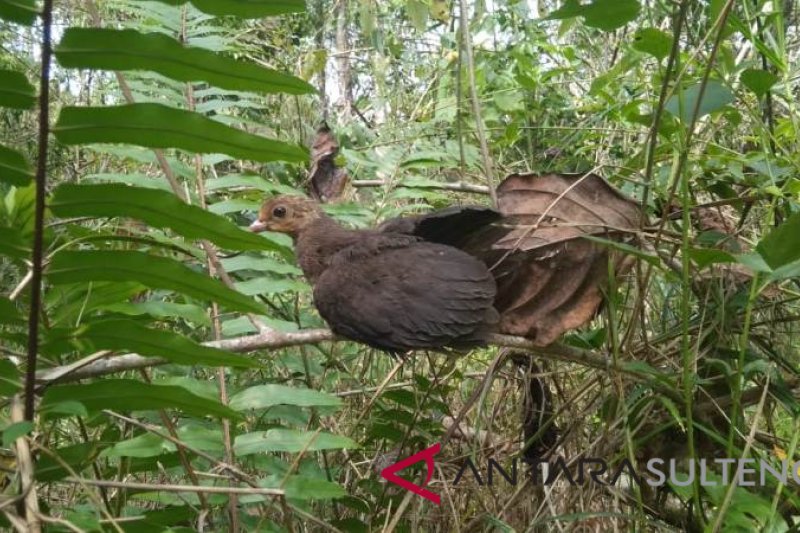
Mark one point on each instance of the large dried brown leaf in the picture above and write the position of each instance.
(550, 279)
(326, 180)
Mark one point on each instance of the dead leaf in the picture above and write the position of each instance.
(326, 180)
(549, 279)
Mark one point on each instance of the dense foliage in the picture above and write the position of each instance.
(149, 344)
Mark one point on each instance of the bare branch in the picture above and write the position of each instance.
(271, 339)
(168, 487)
(121, 363)
(445, 186)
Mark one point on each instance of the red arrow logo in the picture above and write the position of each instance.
(390, 472)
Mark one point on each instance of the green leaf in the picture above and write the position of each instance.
(149, 270)
(158, 208)
(789, 270)
(244, 8)
(14, 168)
(250, 182)
(19, 11)
(758, 81)
(109, 49)
(202, 438)
(654, 42)
(132, 178)
(606, 15)
(609, 15)
(12, 245)
(15, 431)
(289, 440)
(131, 395)
(61, 462)
(267, 285)
(9, 378)
(708, 256)
(260, 264)
(306, 488)
(145, 445)
(715, 97)
(67, 303)
(15, 90)
(263, 396)
(121, 334)
(150, 445)
(782, 245)
(418, 14)
(8, 312)
(158, 309)
(159, 126)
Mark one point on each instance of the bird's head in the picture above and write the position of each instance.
(286, 214)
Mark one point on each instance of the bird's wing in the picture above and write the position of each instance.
(448, 226)
(421, 295)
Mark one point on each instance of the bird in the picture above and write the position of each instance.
(548, 279)
(390, 290)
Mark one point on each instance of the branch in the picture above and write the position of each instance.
(121, 363)
(37, 258)
(168, 487)
(274, 339)
(459, 186)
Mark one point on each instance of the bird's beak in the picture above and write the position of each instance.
(257, 226)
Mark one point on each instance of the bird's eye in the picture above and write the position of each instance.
(279, 212)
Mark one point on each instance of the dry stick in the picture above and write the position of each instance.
(25, 466)
(459, 186)
(38, 222)
(398, 513)
(466, 43)
(21, 285)
(134, 485)
(275, 339)
(269, 339)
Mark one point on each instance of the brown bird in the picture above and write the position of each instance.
(548, 279)
(389, 290)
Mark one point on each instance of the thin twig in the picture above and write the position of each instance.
(488, 167)
(168, 487)
(459, 186)
(25, 465)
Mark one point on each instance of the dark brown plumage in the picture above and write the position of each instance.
(392, 291)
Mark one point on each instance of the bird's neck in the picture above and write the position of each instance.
(318, 242)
